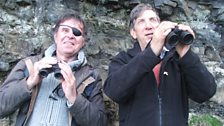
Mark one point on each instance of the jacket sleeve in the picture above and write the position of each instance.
(199, 81)
(14, 90)
(90, 110)
(125, 74)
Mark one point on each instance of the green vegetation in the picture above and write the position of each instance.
(204, 120)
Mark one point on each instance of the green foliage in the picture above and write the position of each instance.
(204, 120)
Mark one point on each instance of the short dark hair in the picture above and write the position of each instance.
(137, 10)
(70, 15)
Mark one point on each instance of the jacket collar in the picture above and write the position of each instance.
(135, 50)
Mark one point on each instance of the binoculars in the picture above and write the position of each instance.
(55, 68)
(176, 36)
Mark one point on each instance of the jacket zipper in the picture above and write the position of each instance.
(166, 58)
(160, 110)
(160, 99)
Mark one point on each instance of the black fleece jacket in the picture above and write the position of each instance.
(132, 84)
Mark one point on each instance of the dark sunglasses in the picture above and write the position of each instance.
(75, 31)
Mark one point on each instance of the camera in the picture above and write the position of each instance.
(55, 68)
(176, 36)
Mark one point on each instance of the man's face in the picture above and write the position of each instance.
(144, 26)
(67, 43)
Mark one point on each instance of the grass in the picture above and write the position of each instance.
(204, 120)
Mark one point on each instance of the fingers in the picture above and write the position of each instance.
(46, 62)
(34, 77)
(186, 28)
(166, 26)
(67, 73)
(160, 34)
(68, 82)
(167, 32)
(163, 30)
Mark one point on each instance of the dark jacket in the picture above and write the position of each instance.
(132, 84)
(87, 110)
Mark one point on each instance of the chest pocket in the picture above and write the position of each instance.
(86, 87)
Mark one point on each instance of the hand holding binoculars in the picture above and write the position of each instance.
(55, 68)
(176, 36)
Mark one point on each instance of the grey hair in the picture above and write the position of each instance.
(70, 14)
(136, 12)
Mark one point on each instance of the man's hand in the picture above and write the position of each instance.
(68, 82)
(160, 34)
(182, 48)
(34, 77)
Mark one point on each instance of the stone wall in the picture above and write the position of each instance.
(26, 30)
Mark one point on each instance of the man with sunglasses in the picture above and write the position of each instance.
(57, 88)
(152, 82)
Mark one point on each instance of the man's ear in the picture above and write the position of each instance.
(133, 34)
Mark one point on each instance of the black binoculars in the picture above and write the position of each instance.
(176, 36)
(55, 68)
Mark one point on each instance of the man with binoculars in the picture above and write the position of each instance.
(153, 81)
(57, 88)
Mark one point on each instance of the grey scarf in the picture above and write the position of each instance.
(81, 59)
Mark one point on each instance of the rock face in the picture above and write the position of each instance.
(26, 29)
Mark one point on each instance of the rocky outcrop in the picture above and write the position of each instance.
(26, 30)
